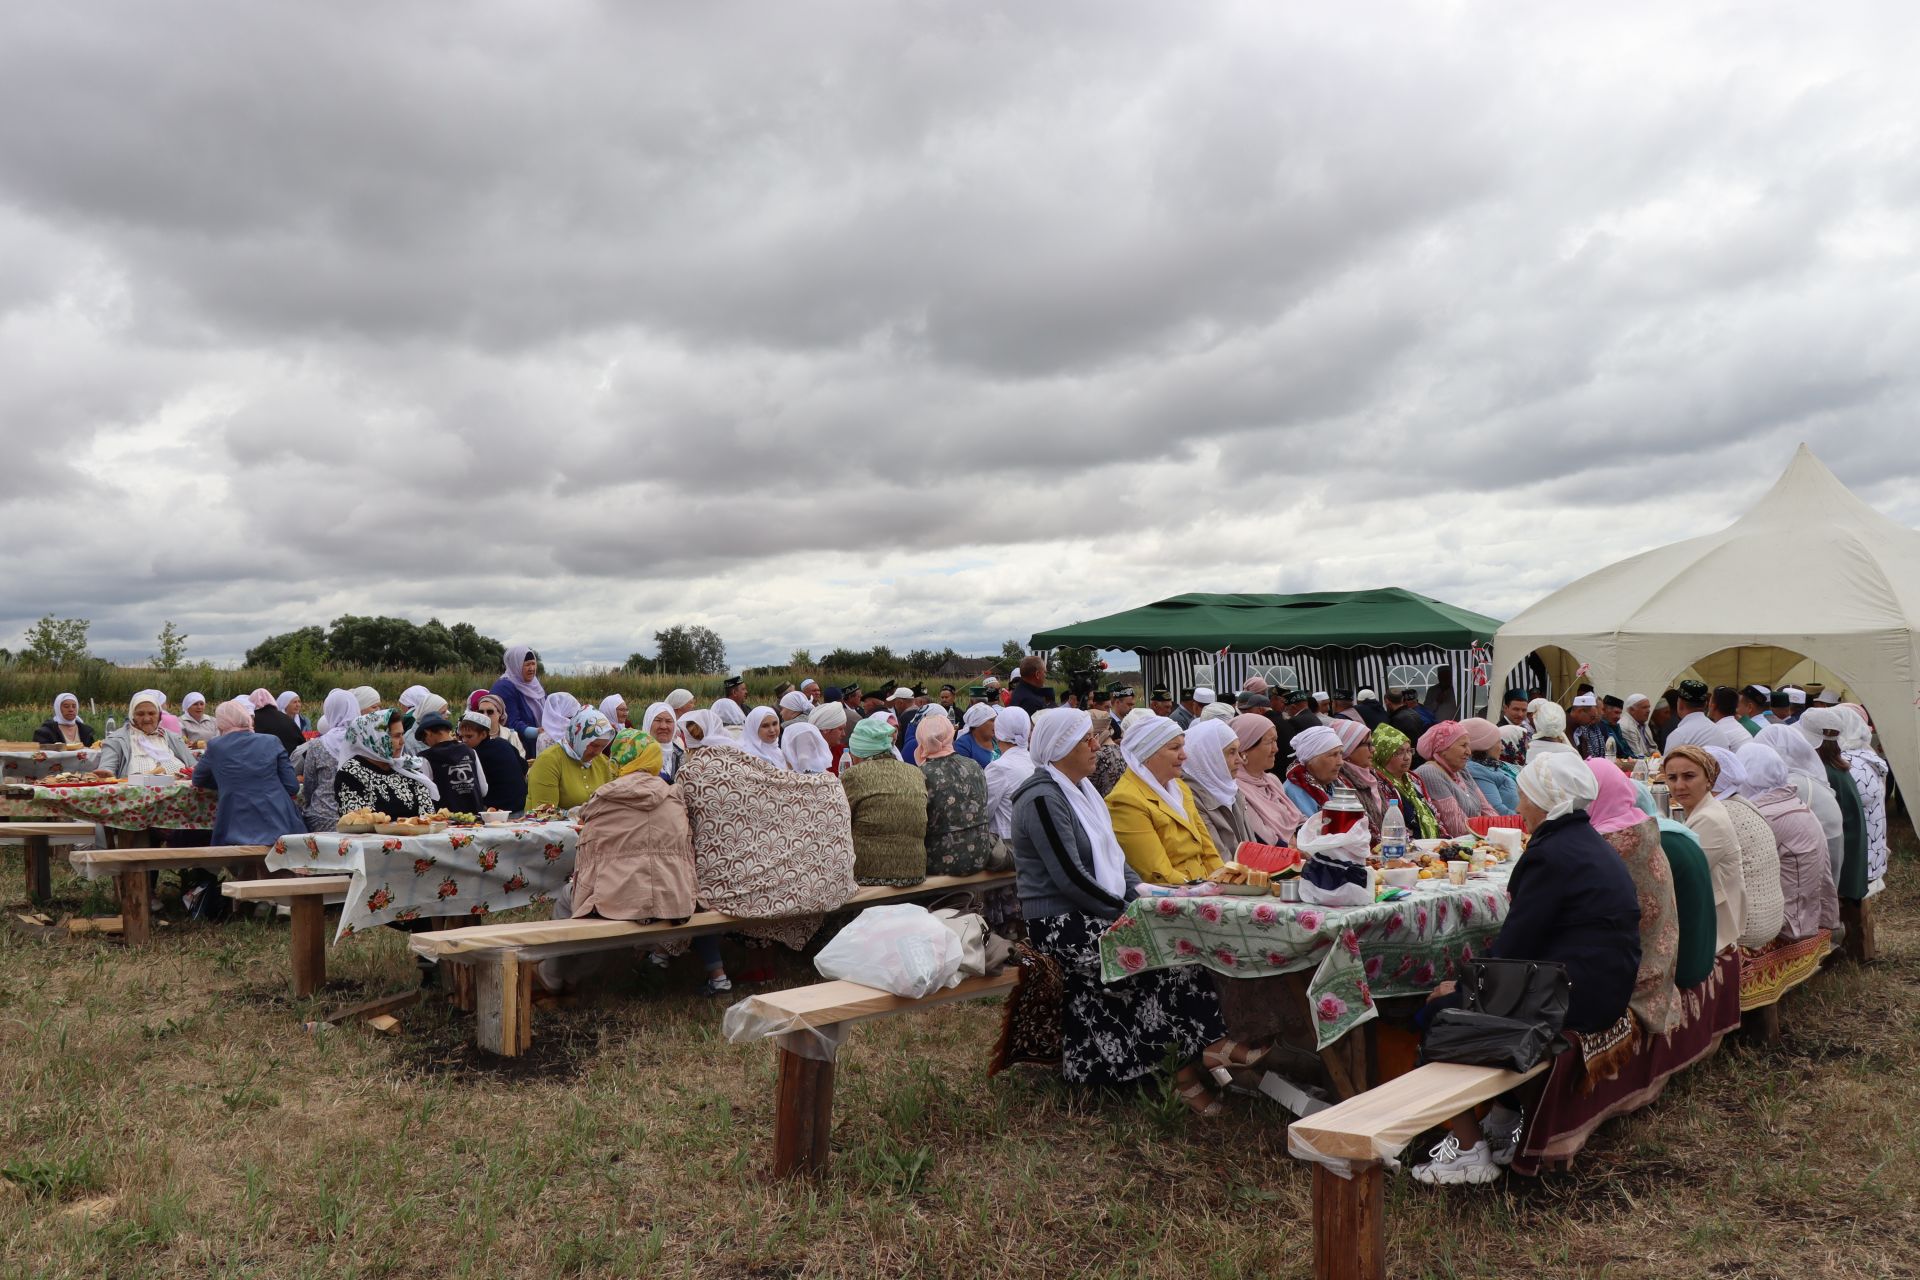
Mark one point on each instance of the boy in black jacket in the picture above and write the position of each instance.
(456, 769)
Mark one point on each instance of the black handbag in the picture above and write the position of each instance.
(1510, 1016)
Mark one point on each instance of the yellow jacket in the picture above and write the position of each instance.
(1162, 847)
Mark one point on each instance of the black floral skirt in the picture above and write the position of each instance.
(1112, 1033)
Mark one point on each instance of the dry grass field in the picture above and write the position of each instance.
(166, 1115)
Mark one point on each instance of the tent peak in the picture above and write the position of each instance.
(1808, 491)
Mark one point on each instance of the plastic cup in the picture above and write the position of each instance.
(1456, 873)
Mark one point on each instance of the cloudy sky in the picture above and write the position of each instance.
(923, 323)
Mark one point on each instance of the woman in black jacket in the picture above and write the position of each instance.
(64, 728)
(1073, 882)
(1574, 904)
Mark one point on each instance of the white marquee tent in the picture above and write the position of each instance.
(1812, 570)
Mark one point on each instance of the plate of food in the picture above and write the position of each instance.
(359, 822)
(407, 827)
(544, 813)
(1235, 880)
(495, 818)
(76, 780)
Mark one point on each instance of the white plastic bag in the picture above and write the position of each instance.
(1321, 880)
(901, 949)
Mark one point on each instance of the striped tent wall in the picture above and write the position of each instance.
(1353, 669)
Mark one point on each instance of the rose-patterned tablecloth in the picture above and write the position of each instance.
(26, 766)
(1357, 953)
(175, 806)
(463, 871)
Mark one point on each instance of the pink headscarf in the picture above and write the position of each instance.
(1481, 734)
(933, 736)
(1439, 738)
(1352, 734)
(1617, 807)
(1272, 816)
(260, 698)
(235, 715)
(473, 700)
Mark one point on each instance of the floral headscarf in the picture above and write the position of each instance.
(368, 737)
(587, 726)
(634, 749)
(1387, 743)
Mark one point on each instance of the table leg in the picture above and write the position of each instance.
(802, 1116)
(135, 917)
(1350, 1223)
(38, 872)
(309, 943)
(1859, 945)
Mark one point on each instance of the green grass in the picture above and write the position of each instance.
(176, 1087)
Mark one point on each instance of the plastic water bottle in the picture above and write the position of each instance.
(1613, 749)
(111, 725)
(1393, 833)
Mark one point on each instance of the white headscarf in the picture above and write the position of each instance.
(1818, 724)
(1316, 741)
(366, 697)
(828, 716)
(805, 750)
(186, 708)
(679, 700)
(1559, 783)
(556, 713)
(154, 746)
(1793, 747)
(1206, 766)
(412, 695)
(654, 709)
(607, 706)
(285, 699)
(712, 732)
(1134, 717)
(1856, 734)
(795, 701)
(1762, 770)
(1549, 721)
(729, 712)
(340, 710)
(1013, 725)
(75, 717)
(1057, 731)
(1215, 711)
(1732, 779)
(750, 741)
(978, 714)
(1139, 743)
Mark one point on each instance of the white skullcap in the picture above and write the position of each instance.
(1217, 711)
(795, 701)
(1733, 775)
(1635, 699)
(1056, 731)
(808, 681)
(1013, 725)
(1321, 695)
(827, 716)
(1559, 782)
(1828, 698)
(1763, 691)
(1139, 741)
(1796, 697)
(1203, 696)
(1366, 695)
(902, 694)
(679, 698)
(979, 713)
(1316, 741)
(1586, 700)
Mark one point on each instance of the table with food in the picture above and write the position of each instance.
(448, 864)
(171, 805)
(1412, 922)
(31, 766)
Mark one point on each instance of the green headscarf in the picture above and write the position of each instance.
(871, 737)
(1421, 822)
(634, 749)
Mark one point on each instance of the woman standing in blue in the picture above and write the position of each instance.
(520, 692)
(253, 777)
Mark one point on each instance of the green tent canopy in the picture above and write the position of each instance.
(1389, 617)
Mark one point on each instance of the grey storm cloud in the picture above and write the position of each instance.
(924, 323)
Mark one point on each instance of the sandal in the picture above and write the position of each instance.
(1199, 1100)
(1224, 1054)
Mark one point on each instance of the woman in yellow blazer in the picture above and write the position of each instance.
(1154, 814)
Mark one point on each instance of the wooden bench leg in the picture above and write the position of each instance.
(309, 941)
(1859, 945)
(135, 918)
(503, 1006)
(1763, 1024)
(1349, 1223)
(38, 871)
(803, 1116)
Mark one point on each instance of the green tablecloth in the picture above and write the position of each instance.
(177, 806)
(1357, 953)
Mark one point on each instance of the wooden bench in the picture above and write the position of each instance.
(129, 868)
(306, 897)
(1767, 975)
(1349, 1214)
(503, 956)
(803, 1105)
(36, 842)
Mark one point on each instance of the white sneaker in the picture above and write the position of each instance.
(660, 959)
(718, 985)
(1452, 1165)
(1502, 1127)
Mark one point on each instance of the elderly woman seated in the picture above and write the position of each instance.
(1393, 761)
(1809, 900)
(976, 741)
(1073, 883)
(1635, 835)
(142, 747)
(1453, 792)
(566, 774)
(376, 773)
(1549, 730)
(64, 728)
(1498, 781)
(888, 798)
(1318, 756)
(1213, 759)
(1357, 770)
(1574, 904)
(196, 722)
(1154, 814)
(959, 842)
(318, 759)
(1271, 817)
(253, 777)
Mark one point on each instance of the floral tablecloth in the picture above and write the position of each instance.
(25, 766)
(176, 806)
(1357, 953)
(469, 871)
